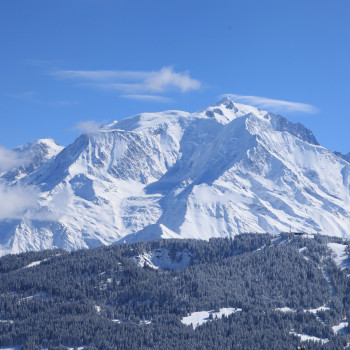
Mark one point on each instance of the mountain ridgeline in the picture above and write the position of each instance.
(277, 292)
(225, 170)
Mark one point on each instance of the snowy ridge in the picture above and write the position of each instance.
(344, 156)
(227, 169)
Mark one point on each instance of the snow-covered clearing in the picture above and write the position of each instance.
(198, 318)
(285, 309)
(34, 263)
(313, 311)
(305, 337)
(341, 257)
(160, 259)
(341, 327)
(38, 262)
(321, 308)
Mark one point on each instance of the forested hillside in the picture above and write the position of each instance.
(285, 291)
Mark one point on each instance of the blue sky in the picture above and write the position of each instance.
(68, 62)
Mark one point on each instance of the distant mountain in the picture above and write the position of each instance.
(227, 169)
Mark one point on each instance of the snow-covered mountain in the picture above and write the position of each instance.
(344, 156)
(29, 157)
(227, 169)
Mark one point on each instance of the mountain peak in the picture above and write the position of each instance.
(227, 169)
(225, 110)
(30, 157)
(225, 101)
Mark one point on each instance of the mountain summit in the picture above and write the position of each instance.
(227, 169)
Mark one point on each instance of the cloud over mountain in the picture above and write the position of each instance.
(134, 84)
(273, 105)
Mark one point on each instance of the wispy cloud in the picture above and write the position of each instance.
(16, 201)
(273, 105)
(55, 208)
(19, 201)
(140, 85)
(10, 159)
(88, 126)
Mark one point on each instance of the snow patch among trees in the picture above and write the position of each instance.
(162, 259)
(341, 257)
(342, 327)
(305, 337)
(196, 319)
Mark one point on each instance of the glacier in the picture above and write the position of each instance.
(227, 169)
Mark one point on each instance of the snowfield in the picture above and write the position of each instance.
(198, 318)
(305, 337)
(285, 309)
(342, 327)
(227, 169)
(313, 311)
(341, 257)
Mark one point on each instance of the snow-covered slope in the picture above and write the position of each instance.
(30, 157)
(344, 156)
(227, 169)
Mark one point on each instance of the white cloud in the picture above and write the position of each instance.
(56, 207)
(16, 201)
(88, 126)
(10, 159)
(273, 105)
(166, 77)
(134, 84)
(150, 98)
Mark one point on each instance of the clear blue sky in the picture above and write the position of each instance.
(68, 61)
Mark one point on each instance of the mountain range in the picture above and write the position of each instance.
(227, 169)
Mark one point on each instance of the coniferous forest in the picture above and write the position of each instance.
(119, 297)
